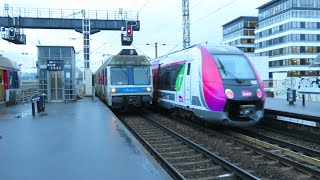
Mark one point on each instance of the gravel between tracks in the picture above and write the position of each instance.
(260, 166)
(287, 138)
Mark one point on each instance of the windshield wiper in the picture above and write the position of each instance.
(145, 71)
(225, 71)
(124, 71)
(222, 67)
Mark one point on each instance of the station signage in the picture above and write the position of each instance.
(55, 65)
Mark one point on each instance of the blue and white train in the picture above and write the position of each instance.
(125, 79)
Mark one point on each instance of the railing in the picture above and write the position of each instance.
(120, 14)
(279, 88)
(29, 88)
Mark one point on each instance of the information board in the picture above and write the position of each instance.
(55, 65)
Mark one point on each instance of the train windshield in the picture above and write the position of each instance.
(234, 67)
(141, 75)
(119, 76)
(137, 75)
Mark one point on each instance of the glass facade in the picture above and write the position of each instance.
(58, 85)
(298, 21)
(242, 31)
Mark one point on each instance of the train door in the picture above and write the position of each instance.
(105, 83)
(56, 93)
(2, 89)
(187, 84)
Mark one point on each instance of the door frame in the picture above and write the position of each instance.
(56, 85)
(187, 83)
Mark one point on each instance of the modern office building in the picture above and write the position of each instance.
(289, 33)
(56, 72)
(240, 33)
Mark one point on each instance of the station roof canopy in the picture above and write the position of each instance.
(315, 62)
(7, 64)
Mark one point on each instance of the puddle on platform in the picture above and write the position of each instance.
(43, 114)
(22, 115)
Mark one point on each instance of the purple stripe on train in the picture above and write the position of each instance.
(212, 83)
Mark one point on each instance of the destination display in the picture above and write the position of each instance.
(55, 65)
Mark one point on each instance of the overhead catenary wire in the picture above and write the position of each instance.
(143, 6)
(209, 14)
(200, 19)
(139, 50)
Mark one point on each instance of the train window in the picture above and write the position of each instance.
(188, 70)
(168, 76)
(119, 76)
(105, 76)
(234, 66)
(13, 80)
(141, 75)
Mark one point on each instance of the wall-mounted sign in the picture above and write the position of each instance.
(55, 65)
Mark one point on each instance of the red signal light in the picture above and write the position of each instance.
(129, 30)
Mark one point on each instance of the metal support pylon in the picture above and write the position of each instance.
(186, 23)
(86, 54)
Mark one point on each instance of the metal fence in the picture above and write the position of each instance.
(279, 88)
(120, 14)
(29, 88)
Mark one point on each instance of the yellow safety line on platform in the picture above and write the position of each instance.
(304, 158)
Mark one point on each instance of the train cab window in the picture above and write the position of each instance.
(119, 76)
(141, 75)
(188, 69)
(234, 67)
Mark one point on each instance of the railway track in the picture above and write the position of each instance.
(260, 160)
(303, 137)
(181, 157)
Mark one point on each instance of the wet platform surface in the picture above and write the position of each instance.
(79, 140)
(311, 108)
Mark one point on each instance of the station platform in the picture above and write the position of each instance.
(76, 140)
(280, 109)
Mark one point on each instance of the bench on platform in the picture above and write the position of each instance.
(305, 91)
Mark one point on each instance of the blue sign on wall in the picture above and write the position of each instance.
(55, 65)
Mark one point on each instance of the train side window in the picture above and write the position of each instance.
(188, 69)
(105, 77)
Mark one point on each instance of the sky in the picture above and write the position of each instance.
(160, 21)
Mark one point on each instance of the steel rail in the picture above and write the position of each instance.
(174, 173)
(281, 143)
(313, 140)
(284, 160)
(227, 165)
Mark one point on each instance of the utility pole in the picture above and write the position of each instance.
(156, 48)
(186, 23)
(156, 44)
(86, 54)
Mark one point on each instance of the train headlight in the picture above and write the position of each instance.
(229, 93)
(113, 90)
(148, 89)
(259, 93)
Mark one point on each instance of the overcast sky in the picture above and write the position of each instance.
(161, 21)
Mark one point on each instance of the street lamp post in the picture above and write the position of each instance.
(156, 47)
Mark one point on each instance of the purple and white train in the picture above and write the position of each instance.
(215, 84)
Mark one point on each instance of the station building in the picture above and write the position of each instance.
(56, 72)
